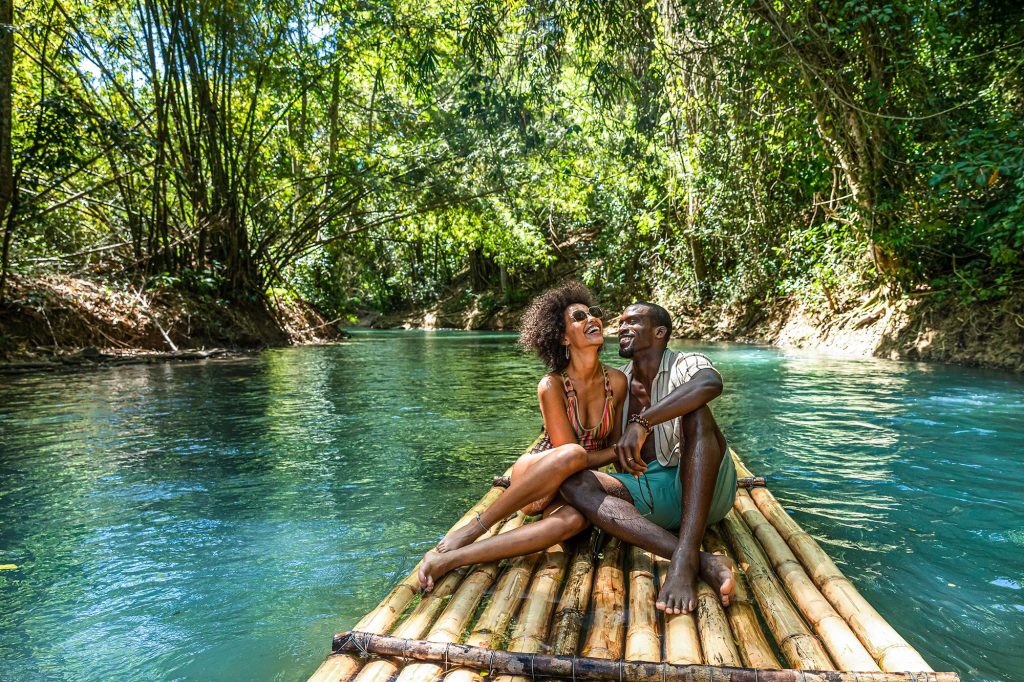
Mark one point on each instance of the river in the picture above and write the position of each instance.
(222, 520)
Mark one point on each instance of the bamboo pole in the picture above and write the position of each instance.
(455, 617)
(535, 613)
(754, 648)
(642, 640)
(682, 643)
(715, 636)
(846, 650)
(751, 482)
(383, 617)
(490, 627)
(885, 645)
(414, 626)
(607, 619)
(568, 622)
(800, 648)
(585, 668)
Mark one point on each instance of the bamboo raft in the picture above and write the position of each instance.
(585, 610)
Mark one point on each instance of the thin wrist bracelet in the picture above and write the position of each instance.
(642, 421)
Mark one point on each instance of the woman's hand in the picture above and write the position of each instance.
(628, 448)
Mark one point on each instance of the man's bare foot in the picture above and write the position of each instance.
(718, 572)
(460, 537)
(432, 568)
(679, 593)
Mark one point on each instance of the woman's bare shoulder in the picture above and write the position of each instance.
(549, 382)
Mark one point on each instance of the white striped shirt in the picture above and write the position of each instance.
(675, 369)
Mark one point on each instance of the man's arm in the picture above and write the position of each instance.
(689, 396)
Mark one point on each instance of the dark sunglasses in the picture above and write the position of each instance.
(592, 311)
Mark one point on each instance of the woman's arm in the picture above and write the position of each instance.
(551, 395)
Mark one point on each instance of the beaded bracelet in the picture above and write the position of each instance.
(642, 421)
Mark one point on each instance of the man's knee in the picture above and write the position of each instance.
(700, 426)
(580, 489)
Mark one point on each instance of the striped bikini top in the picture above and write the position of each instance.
(593, 438)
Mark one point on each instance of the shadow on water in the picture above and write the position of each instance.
(224, 519)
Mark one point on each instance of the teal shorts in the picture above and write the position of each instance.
(667, 491)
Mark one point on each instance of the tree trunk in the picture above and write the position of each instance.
(7, 189)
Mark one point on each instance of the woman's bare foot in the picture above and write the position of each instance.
(679, 593)
(719, 573)
(460, 537)
(432, 568)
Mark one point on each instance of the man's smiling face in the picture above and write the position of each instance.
(636, 332)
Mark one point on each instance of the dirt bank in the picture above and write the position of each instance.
(924, 327)
(64, 321)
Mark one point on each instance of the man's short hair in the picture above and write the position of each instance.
(659, 316)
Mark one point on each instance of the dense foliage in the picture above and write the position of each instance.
(376, 153)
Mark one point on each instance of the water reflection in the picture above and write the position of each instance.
(223, 519)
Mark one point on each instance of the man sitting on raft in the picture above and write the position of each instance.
(677, 470)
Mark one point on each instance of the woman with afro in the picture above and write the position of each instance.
(579, 400)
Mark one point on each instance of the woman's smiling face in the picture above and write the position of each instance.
(588, 331)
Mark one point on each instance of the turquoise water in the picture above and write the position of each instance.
(223, 520)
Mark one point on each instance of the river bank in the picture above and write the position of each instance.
(59, 322)
(62, 322)
(922, 327)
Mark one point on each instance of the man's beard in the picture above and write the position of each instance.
(626, 352)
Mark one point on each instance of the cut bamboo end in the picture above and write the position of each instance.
(568, 621)
(642, 640)
(844, 647)
(800, 648)
(682, 643)
(883, 643)
(607, 622)
(754, 649)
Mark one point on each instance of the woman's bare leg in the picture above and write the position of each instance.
(559, 523)
(535, 478)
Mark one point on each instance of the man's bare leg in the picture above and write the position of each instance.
(703, 450)
(608, 505)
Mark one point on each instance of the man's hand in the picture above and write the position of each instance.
(627, 450)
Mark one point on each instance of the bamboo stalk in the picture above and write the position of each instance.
(642, 641)
(885, 645)
(586, 668)
(682, 643)
(455, 617)
(568, 622)
(491, 626)
(535, 614)
(715, 636)
(607, 622)
(842, 644)
(414, 626)
(751, 482)
(383, 617)
(800, 648)
(754, 648)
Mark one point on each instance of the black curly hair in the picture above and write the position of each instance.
(543, 323)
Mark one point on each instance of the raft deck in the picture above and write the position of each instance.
(585, 609)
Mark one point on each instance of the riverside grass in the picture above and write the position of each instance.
(584, 609)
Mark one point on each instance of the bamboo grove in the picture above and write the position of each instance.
(361, 152)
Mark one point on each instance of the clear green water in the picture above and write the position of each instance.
(223, 520)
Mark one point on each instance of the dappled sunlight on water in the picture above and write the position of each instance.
(223, 520)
